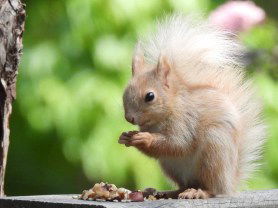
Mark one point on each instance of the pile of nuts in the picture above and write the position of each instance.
(109, 192)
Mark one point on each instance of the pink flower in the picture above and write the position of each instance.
(237, 16)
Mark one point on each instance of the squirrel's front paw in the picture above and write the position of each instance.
(126, 137)
(137, 139)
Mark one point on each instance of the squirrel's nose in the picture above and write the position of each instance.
(130, 119)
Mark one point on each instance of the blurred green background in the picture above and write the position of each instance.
(68, 113)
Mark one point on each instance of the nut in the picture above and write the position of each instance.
(123, 193)
(151, 198)
(100, 190)
(149, 191)
(136, 196)
(86, 194)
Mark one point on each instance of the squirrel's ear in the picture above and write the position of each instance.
(137, 60)
(163, 70)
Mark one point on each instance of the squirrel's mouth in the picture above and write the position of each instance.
(145, 123)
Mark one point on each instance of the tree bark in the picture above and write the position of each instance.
(12, 18)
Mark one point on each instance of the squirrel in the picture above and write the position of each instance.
(197, 112)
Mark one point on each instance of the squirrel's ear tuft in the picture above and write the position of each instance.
(163, 70)
(137, 60)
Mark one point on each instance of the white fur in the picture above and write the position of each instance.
(183, 169)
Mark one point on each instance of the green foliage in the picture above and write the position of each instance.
(68, 114)
(267, 177)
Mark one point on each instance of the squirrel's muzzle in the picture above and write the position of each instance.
(130, 119)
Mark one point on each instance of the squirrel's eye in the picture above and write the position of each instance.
(149, 97)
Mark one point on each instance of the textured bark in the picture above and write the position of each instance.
(12, 18)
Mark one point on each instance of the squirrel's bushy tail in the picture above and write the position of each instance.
(252, 136)
(206, 55)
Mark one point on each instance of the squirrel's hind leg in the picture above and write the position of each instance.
(218, 167)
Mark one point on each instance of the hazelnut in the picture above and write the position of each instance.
(136, 196)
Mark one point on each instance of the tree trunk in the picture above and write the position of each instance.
(12, 18)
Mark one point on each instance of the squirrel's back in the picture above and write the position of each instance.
(205, 55)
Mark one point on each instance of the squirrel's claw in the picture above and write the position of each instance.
(194, 194)
(126, 137)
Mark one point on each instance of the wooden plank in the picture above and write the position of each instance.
(264, 198)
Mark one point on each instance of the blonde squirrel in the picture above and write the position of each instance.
(196, 111)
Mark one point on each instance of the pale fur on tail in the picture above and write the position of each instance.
(206, 55)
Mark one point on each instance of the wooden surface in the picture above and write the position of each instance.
(266, 198)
